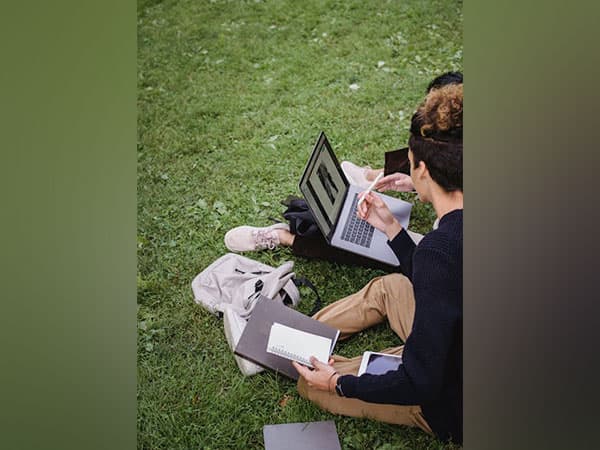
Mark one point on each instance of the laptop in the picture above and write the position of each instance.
(332, 201)
(302, 436)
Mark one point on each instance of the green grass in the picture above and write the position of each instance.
(231, 97)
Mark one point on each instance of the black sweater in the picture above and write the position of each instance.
(431, 373)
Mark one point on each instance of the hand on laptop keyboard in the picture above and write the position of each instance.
(376, 212)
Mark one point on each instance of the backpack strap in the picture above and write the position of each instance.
(303, 281)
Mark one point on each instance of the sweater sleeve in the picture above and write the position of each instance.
(404, 248)
(420, 378)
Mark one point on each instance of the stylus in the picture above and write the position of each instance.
(370, 188)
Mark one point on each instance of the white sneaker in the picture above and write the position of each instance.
(245, 238)
(234, 326)
(356, 175)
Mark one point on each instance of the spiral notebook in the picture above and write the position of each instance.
(297, 345)
(254, 340)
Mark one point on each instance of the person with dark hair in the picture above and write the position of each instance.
(394, 179)
(445, 79)
(315, 246)
(423, 306)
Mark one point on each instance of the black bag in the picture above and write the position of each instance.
(302, 222)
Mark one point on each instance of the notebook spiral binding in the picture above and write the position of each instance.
(289, 355)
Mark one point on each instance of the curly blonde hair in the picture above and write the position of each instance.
(442, 111)
(436, 135)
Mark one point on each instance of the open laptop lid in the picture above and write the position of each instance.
(324, 186)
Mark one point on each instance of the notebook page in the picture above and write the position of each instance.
(297, 345)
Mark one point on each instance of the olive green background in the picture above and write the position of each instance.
(68, 246)
(68, 241)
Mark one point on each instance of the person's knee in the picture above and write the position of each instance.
(393, 281)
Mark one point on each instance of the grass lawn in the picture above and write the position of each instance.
(231, 97)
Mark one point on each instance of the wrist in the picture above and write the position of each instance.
(332, 382)
(392, 230)
(338, 386)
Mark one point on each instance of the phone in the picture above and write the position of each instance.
(379, 363)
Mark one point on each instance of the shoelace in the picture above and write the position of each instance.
(266, 239)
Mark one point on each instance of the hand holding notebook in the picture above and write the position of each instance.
(253, 342)
(298, 345)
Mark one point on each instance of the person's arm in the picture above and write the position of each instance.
(375, 211)
(427, 349)
(404, 248)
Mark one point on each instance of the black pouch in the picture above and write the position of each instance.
(301, 220)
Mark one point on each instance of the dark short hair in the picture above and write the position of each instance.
(436, 136)
(444, 79)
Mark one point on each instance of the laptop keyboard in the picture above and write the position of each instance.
(357, 231)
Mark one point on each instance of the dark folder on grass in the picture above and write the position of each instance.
(253, 341)
(302, 436)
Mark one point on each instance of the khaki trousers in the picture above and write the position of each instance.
(389, 296)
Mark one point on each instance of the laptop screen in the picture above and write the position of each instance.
(324, 185)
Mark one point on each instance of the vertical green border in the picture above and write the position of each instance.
(68, 114)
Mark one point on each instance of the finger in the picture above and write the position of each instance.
(359, 212)
(315, 362)
(331, 361)
(303, 371)
(363, 209)
(404, 186)
(376, 200)
(371, 200)
(381, 183)
(385, 180)
(319, 365)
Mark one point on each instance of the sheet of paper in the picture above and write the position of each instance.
(297, 345)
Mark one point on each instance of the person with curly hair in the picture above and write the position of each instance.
(395, 171)
(423, 306)
(314, 245)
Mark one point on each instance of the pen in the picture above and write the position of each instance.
(370, 188)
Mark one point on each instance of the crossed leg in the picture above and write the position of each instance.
(391, 297)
